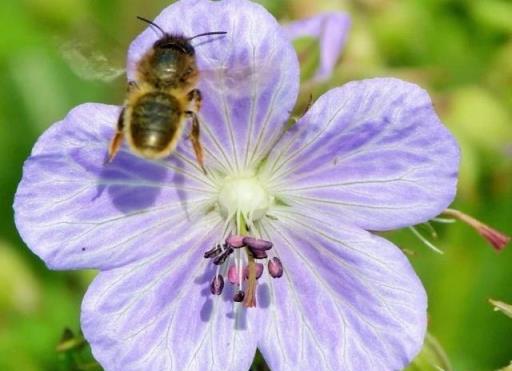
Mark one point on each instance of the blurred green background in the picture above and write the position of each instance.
(460, 50)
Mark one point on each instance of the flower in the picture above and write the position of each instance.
(371, 155)
(331, 29)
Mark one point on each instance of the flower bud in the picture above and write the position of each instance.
(494, 237)
(275, 267)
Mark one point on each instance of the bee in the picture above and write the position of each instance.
(161, 99)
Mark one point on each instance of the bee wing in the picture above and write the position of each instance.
(237, 79)
(88, 62)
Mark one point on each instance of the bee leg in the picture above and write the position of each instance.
(194, 98)
(116, 141)
(194, 138)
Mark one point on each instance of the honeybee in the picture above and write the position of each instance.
(161, 98)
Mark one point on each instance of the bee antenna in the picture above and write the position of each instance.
(208, 33)
(152, 24)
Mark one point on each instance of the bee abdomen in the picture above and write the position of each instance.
(155, 123)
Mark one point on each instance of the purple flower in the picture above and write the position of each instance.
(371, 155)
(331, 30)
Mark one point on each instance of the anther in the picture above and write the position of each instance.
(258, 254)
(220, 259)
(275, 267)
(232, 274)
(239, 296)
(235, 241)
(257, 244)
(217, 285)
(216, 250)
(259, 271)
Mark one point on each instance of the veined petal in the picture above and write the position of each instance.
(331, 30)
(75, 211)
(372, 153)
(159, 314)
(348, 300)
(249, 77)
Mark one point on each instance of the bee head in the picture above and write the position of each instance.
(174, 44)
(173, 55)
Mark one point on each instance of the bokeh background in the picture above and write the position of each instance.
(460, 50)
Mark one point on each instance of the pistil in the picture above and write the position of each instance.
(250, 298)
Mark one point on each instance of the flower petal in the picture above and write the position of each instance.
(249, 77)
(348, 300)
(331, 29)
(372, 153)
(159, 314)
(75, 211)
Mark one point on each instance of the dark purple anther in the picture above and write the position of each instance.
(239, 296)
(257, 244)
(223, 256)
(258, 254)
(217, 285)
(259, 271)
(275, 267)
(216, 250)
(235, 241)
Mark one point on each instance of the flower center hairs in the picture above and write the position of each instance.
(242, 201)
(246, 195)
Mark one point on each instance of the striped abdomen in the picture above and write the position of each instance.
(155, 124)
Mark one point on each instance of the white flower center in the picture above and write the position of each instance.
(244, 194)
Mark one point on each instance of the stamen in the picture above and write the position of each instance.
(233, 274)
(242, 200)
(257, 244)
(217, 285)
(235, 241)
(239, 267)
(275, 267)
(216, 250)
(239, 296)
(425, 241)
(258, 254)
(223, 256)
(236, 274)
